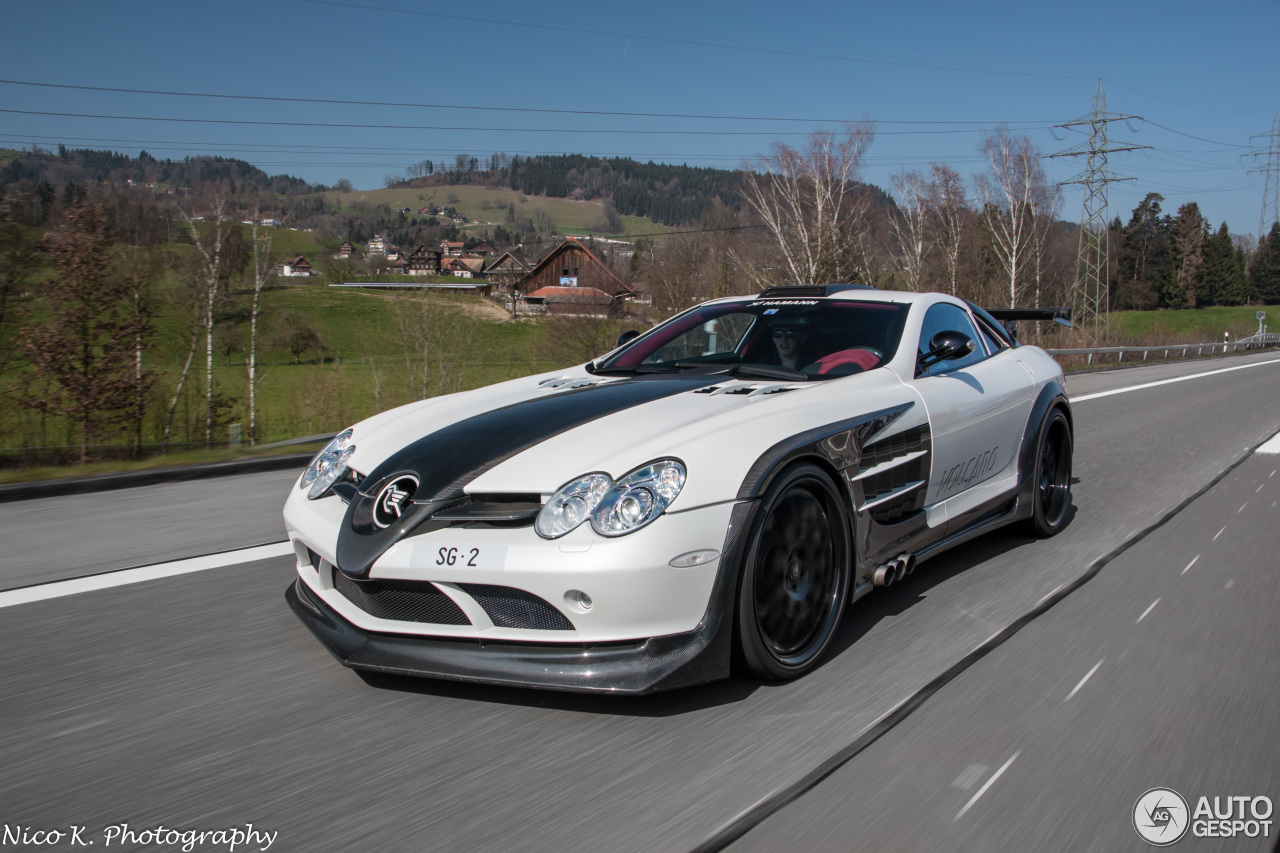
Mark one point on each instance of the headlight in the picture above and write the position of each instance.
(639, 498)
(614, 509)
(329, 464)
(571, 506)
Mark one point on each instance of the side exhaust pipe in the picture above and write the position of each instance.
(894, 570)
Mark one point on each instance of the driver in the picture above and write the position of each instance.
(791, 342)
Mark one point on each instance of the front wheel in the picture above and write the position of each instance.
(796, 578)
(1051, 490)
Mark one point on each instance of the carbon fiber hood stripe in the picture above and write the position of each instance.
(449, 458)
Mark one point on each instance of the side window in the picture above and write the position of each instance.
(949, 318)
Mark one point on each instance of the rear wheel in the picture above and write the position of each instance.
(796, 578)
(1052, 487)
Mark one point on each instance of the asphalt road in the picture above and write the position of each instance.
(200, 702)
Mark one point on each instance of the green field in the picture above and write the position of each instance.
(488, 205)
(1201, 325)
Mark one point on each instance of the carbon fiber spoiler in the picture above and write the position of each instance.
(1060, 315)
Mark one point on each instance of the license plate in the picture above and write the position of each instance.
(456, 557)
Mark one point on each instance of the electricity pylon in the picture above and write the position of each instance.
(1092, 279)
(1270, 180)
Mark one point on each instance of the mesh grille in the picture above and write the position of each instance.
(403, 601)
(515, 608)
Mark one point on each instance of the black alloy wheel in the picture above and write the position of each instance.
(1052, 486)
(796, 579)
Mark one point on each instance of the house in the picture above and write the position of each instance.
(462, 267)
(346, 250)
(423, 261)
(571, 264)
(459, 219)
(295, 268)
(377, 245)
(451, 249)
(509, 268)
(483, 248)
(393, 253)
(272, 223)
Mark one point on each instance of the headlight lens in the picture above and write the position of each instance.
(329, 464)
(571, 506)
(638, 498)
(614, 509)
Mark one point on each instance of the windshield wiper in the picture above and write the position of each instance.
(639, 368)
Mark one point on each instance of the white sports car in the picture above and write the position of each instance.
(712, 493)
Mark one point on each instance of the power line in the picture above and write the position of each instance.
(1270, 178)
(358, 126)
(403, 104)
(698, 44)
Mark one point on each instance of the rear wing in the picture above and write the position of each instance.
(1009, 317)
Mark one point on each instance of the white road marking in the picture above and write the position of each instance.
(1087, 676)
(1255, 491)
(1140, 618)
(1242, 506)
(970, 776)
(1272, 445)
(1192, 563)
(1219, 533)
(1230, 584)
(1098, 394)
(990, 782)
(106, 580)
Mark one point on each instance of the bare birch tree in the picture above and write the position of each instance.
(808, 201)
(263, 273)
(911, 226)
(1009, 195)
(209, 242)
(948, 206)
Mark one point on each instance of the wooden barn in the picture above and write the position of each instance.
(571, 265)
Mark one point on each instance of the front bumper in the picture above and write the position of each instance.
(659, 663)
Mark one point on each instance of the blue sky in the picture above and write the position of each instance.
(932, 75)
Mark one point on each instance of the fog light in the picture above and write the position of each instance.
(694, 558)
(578, 598)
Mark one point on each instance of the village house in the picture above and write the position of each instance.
(509, 268)
(346, 250)
(297, 267)
(483, 248)
(423, 261)
(377, 245)
(462, 267)
(451, 249)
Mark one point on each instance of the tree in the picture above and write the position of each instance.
(948, 206)
(1188, 255)
(138, 268)
(263, 273)
(1012, 193)
(221, 252)
(808, 202)
(343, 185)
(21, 259)
(911, 226)
(1144, 252)
(297, 335)
(1264, 272)
(1222, 277)
(80, 354)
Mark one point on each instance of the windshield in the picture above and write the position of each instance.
(784, 338)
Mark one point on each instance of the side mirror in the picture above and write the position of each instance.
(945, 346)
(627, 337)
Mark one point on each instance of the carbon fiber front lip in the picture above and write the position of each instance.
(659, 663)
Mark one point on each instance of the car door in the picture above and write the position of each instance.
(978, 407)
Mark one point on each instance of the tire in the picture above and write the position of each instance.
(795, 580)
(1051, 488)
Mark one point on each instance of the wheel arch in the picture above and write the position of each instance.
(1052, 396)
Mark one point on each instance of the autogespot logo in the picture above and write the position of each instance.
(1160, 816)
